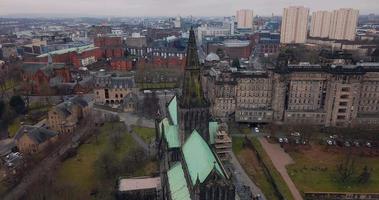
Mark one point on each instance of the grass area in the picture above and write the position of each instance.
(147, 134)
(254, 168)
(282, 186)
(237, 144)
(14, 126)
(320, 175)
(146, 86)
(149, 168)
(9, 84)
(79, 172)
(38, 107)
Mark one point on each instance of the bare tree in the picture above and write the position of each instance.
(365, 175)
(346, 168)
(115, 139)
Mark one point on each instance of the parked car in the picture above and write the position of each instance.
(295, 134)
(256, 129)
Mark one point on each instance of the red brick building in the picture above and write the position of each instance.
(77, 56)
(112, 49)
(38, 77)
(232, 48)
(159, 57)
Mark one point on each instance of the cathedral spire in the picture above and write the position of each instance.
(192, 91)
(192, 61)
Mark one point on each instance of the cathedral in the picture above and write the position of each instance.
(189, 165)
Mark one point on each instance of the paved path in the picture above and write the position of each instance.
(132, 119)
(280, 159)
(242, 177)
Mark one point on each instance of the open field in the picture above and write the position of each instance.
(315, 170)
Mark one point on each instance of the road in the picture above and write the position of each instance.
(47, 163)
(280, 159)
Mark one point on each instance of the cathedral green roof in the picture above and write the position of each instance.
(199, 158)
(171, 134)
(213, 128)
(173, 110)
(177, 183)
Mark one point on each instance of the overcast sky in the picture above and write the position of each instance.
(172, 7)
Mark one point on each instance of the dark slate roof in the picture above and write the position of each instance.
(124, 82)
(37, 134)
(65, 106)
(33, 67)
(108, 81)
(130, 97)
(79, 101)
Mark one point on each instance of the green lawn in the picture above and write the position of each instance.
(237, 144)
(315, 171)
(79, 171)
(255, 170)
(147, 134)
(146, 86)
(14, 126)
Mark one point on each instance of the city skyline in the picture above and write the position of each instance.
(119, 8)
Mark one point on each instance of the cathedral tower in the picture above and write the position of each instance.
(193, 106)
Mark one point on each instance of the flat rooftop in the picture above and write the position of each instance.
(139, 183)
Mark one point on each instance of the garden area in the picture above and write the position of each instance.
(92, 172)
(259, 167)
(319, 170)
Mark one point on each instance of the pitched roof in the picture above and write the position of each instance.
(213, 128)
(63, 51)
(33, 67)
(171, 134)
(178, 183)
(37, 134)
(173, 110)
(199, 158)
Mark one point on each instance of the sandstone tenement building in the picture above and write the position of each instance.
(341, 95)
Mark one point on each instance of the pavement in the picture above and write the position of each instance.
(132, 119)
(280, 159)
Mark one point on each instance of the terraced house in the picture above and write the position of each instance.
(190, 167)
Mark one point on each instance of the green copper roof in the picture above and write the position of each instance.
(173, 110)
(177, 183)
(213, 128)
(171, 134)
(199, 158)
